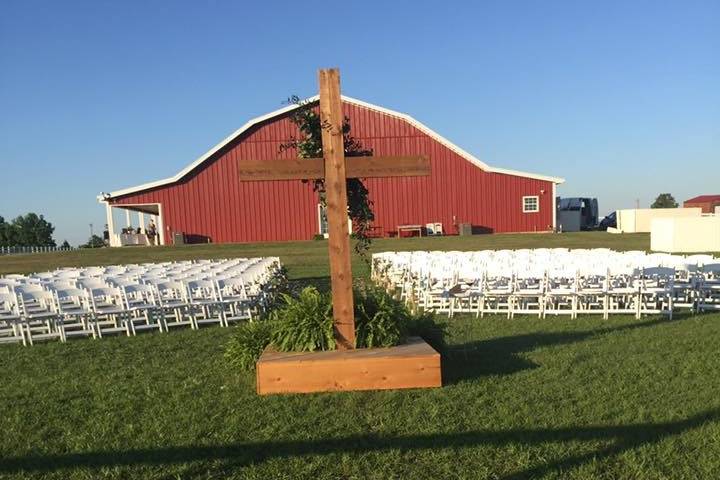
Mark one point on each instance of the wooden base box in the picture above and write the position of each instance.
(414, 364)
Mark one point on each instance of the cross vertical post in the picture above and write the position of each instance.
(335, 169)
(336, 199)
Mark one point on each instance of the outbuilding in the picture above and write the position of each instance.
(206, 202)
(708, 203)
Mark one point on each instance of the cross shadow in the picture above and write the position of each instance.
(321, 283)
(501, 355)
(622, 438)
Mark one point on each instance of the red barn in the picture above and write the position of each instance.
(708, 203)
(206, 201)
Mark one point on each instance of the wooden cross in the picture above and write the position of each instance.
(335, 169)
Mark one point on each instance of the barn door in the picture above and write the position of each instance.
(323, 223)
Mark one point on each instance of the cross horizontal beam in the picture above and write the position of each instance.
(355, 167)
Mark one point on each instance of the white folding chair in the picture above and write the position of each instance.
(11, 329)
(234, 299)
(172, 299)
(40, 317)
(142, 307)
(623, 292)
(656, 291)
(708, 288)
(74, 307)
(109, 312)
(205, 305)
(528, 291)
(561, 294)
(497, 289)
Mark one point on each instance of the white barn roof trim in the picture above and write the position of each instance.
(207, 155)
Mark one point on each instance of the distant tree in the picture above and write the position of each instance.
(664, 200)
(94, 242)
(31, 230)
(65, 244)
(4, 233)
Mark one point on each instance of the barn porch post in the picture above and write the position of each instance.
(111, 225)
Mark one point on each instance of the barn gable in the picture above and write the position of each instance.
(206, 199)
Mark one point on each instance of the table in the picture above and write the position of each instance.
(128, 239)
(409, 228)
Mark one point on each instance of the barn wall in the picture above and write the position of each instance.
(212, 203)
(707, 206)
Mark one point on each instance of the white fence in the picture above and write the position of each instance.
(26, 250)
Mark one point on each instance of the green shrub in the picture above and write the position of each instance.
(305, 323)
(247, 344)
(379, 319)
(383, 321)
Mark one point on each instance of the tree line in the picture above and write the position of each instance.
(30, 230)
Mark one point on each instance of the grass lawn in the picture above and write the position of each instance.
(525, 398)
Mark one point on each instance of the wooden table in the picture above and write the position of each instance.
(409, 228)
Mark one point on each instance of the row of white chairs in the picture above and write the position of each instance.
(551, 281)
(96, 301)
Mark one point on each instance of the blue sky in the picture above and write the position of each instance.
(620, 98)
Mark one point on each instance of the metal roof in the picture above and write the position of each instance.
(207, 155)
(704, 198)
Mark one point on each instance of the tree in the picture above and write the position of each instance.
(360, 210)
(31, 230)
(94, 242)
(664, 200)
(65, 245)
(4, 234)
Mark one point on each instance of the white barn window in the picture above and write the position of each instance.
(531, 204)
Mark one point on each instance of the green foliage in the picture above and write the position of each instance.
(380, 320)
(664, 200)
(94, 242)
(29, 230)
(66, 244)
(247, 344)
(383, 321)
(360, 209)
(305, 323)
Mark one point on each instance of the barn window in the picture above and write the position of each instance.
(531, 204)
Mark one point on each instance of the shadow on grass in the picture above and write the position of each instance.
(501, 355)
(623, 438)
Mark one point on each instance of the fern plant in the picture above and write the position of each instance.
(247, 344)
(305, 323)
(379, 319)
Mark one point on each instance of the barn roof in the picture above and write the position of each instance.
(704, 198)
(208, 155)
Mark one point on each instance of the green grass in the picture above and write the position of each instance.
(309, 258)
(523, 398)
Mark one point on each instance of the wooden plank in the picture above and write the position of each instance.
(355, 167)
(336, 199)
(293, 169)
(413, 365)
(388, 166)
